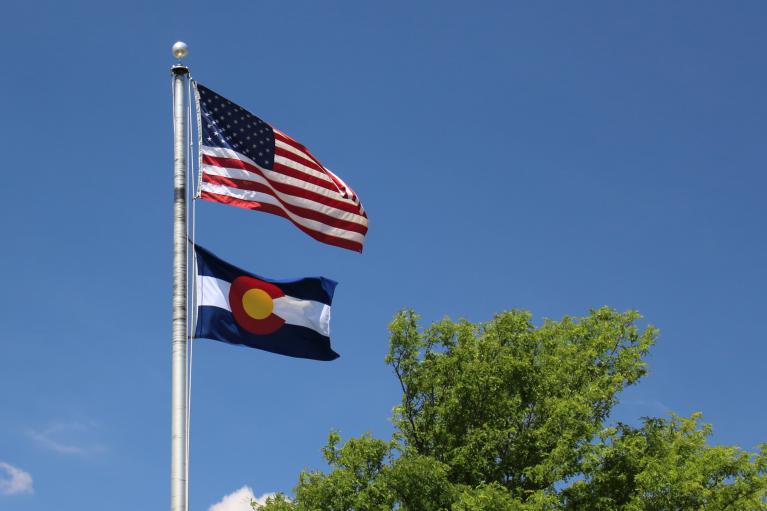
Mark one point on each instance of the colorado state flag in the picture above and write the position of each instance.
(289, 317)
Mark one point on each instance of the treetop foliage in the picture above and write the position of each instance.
(506, 415)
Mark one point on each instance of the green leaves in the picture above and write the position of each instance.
(366, 474)
(667, 465)
(504, 401)
(508, 416)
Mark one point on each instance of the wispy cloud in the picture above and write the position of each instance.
(239, 500)
(648, 406)
(13, 480)
(71, 437)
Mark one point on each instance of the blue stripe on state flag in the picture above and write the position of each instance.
(288, 317)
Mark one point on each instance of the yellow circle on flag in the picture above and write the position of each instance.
(257, 303)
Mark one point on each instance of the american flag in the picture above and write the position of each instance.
(247, 163)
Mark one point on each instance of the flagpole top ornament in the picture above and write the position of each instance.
(180, 50)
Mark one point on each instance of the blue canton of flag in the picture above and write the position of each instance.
(289, 317)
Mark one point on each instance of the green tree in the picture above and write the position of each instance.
(508, 416)
(666, 464)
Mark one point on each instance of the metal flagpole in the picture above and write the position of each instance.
(179, 341)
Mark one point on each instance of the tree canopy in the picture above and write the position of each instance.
(509, 416)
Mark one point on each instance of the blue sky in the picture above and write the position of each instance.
(538, 155)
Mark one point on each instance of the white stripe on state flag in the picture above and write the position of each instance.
(295, 200)
(214, 292)
(251, 196)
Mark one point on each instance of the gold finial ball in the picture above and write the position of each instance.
(180, 50)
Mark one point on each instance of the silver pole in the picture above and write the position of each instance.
(179, 341)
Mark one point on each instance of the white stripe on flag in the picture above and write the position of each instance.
(247, 175)
(212, 291)
(297, 165)
(228, 153)
(283, 145)
(307, 313)
(252, 196)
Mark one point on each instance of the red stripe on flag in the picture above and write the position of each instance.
(311, 214)
(298, 191)
(278, 151)
(275, 210)
(297, 145)
(289, 140)
(235, 163)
